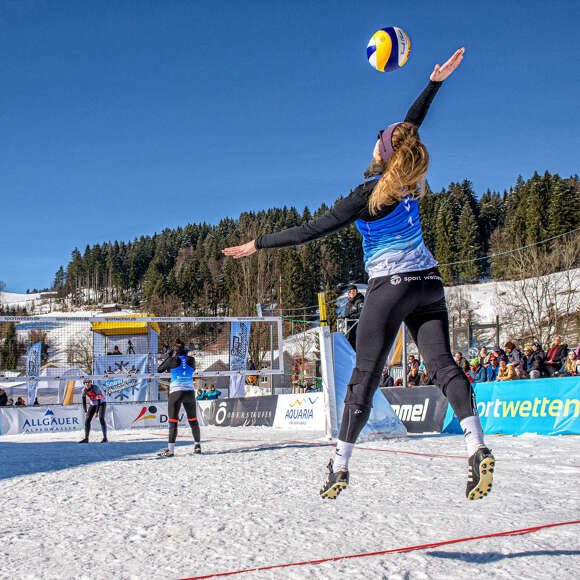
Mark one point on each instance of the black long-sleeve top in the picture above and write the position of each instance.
(354, 206)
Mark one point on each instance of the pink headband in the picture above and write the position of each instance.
(385, 141)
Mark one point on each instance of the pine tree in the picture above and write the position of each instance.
(445, 241)
(564, 209)
(9, 350)
(468, 246)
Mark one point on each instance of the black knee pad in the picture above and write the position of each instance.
(361, 390)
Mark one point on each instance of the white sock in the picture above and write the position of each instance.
(473, 433)
(342, 454)
(171, 447)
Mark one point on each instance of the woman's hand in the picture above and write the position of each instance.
(440, 73)
(240, 251)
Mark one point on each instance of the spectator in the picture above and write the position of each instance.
(571, 367)
(399, 382)
(532, 363)
(514, 356)
(10, 403)
(477, 371)
(116, 350)
(36, 403)
(506, 371)
(492, 369)
(425, 379)
(3, 398)
(352, 312)
(20, 402)
(555, 356)
(201, 395)
(461, 362)
(413, 378)
(130, 348)
(541, 355)
(212, 394)
(497, 351)
(413, 363)
(483, 355)
(386, 378)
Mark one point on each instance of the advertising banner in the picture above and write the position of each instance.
(304, 412)
(40, 420)
(146, 415)
(32, 371)
(420, 409)
(543, 406)
(239, 343)
(243, 412)
(382, 421)
(122, 389)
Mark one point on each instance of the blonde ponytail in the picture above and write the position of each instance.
(405, 169)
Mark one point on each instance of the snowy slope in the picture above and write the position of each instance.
(116, 511)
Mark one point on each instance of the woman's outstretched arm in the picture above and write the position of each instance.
(416, 114)
(344, 212)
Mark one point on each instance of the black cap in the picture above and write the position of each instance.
(351, 287)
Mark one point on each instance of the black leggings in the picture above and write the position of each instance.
(93, 410)
(187, 399)
(418, 299)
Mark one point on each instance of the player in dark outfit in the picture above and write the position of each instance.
(404, 286)
(181, 392)
(97, 405)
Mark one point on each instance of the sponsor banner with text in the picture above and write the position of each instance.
(420, 409)
(543, 406)
(146, 415)
(300, 411)
(41, 419)
(243, 412)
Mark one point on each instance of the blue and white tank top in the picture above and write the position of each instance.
(182, 377)
(394, 244)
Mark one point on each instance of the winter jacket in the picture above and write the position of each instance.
(535, 362)
(556, 356)
(480, 375)
(507, 374)
(491, 373)
(212, 395)
(3, 398)
(386, 381)
(515, 357)
(354, 307)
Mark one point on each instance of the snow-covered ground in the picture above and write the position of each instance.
(116, 511)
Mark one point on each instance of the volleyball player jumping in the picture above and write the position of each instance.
(404, 286)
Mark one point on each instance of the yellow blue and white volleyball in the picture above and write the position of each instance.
(388, 49)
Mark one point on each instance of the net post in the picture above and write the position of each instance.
(327, 371)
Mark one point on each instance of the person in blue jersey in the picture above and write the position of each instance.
(404, 286)
(181, 392)
(97, 406)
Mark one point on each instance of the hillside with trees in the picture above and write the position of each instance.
(182, 271)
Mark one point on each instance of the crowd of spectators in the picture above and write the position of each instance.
(501, 364)
(208, 394)
(530, 362)
(6, 401)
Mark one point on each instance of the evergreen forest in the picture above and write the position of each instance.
(182, 271)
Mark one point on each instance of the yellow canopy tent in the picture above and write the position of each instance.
(116, 327)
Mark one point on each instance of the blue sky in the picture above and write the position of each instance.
(124, 118)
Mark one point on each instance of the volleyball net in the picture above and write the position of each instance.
(122, 354)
